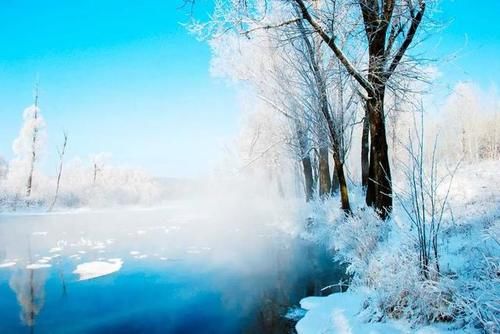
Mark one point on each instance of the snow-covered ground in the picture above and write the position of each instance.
(340, 313)
(469, 259)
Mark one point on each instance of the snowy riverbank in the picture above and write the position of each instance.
(342, 313)
(388, 297)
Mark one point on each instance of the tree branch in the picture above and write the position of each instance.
(415, 22)
(332, 45)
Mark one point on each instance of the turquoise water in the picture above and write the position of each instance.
(178, 275)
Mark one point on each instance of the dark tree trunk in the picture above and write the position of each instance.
(335, 181)
(308, 178)
(325, 184)
(365, 149)
(344, 193)
(379, 190)
(307, 165)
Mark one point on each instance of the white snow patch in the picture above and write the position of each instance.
(7, 264)
(339, 313)
(34, 266)
(91, 270)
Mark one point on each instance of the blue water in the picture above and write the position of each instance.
(222, 281)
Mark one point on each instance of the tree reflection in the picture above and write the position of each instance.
(28, 285)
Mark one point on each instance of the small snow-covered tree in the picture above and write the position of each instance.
(27, 148)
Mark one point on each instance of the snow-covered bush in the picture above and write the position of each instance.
(356, 238)
(478, 295)
(478, 278)
(398, 288)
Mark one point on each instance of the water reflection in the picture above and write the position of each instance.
(28, 285)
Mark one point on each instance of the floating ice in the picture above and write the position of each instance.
(34, 266)
(91, 270)
(7, 264)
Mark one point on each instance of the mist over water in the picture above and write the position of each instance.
(192, 266)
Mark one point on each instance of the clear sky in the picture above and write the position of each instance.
(125, 77)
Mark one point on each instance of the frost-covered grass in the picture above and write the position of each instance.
(388, 292)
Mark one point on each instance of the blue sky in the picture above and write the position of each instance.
(126, 78)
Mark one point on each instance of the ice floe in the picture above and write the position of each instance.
(94, 269)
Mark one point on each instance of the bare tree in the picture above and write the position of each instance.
(389, 28)
(305, 159)
(97, 169)
(60, 169)
(425, 201)
(34, 140)
(383, 29)
(311, 57)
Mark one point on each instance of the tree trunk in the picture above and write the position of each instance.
(61, 157)
(379, 190)
(365, 149)
(308, 177)
(335, 180)
(325, 184)
(344, 193)
(29, 183)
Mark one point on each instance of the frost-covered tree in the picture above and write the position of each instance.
(288, 69)
(470, 124)
(27, 148)
(384, 29)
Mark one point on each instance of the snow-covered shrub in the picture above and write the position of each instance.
(356, 238)
(398, 288)
(383, 258)
(479, 289)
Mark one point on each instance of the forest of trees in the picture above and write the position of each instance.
(342, 78)
(75, 183)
